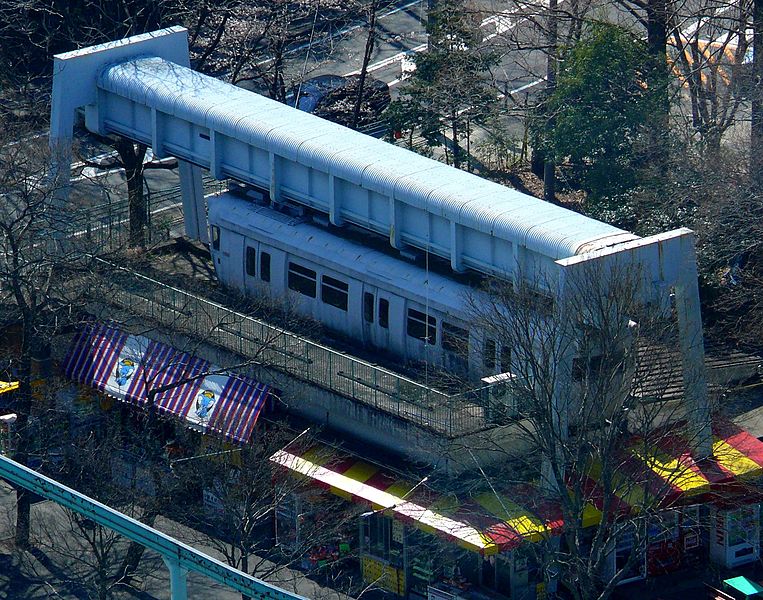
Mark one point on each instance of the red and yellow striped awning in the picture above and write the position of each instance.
(665, 473)
(8, 386)
(658, 475)
(488, 523)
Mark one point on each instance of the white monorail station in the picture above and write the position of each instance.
(143, 88)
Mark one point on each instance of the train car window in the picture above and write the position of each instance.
(215, 230)
(302, 279)
(251, 261)
(421, 326)
(455, 339)
(334, 292)
(265, 266)
(384, 313)
(368, 307)
(488, 354)
(505, 358)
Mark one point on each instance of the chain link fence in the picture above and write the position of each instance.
(304, 359)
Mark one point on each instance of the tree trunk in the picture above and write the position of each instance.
(245, 569)
(137, 203)
(135, 550)
(657, 41)
(756, 130)
(657, 29)
(370, 41)
(277, 88)
(23, 408)
(132, 156)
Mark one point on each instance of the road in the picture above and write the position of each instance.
(401, 35)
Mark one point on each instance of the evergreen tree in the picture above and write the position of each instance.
(606, 112)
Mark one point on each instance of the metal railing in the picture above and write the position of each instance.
(105, 227)
(297, 356)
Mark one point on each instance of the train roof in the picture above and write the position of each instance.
(315, 244)
(461, 197)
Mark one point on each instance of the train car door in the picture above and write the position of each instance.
(375, 316)
(251, 266)
(230, 261)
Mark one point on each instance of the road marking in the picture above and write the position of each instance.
(503, 23)
(341, 32)
(390, 60)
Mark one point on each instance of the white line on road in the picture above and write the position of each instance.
(503, 23)
(390, 60)
(527, 86)
(341, 32)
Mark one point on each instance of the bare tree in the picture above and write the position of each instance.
(452, 88)
(588, 392)
(756, 134)
(44, 268)
(707, 52)
(371, 11)
(243, 491)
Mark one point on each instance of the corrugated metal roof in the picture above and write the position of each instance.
(473, 202)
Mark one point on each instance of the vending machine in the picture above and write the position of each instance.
(735, 535)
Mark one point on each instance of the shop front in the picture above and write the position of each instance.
(406, 561)
(663, 543)
(308, 526)
(415, 544)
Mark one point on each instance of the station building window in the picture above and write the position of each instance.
(422, 326)
(302, 280)
(334, 292)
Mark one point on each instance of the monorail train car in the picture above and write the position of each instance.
(365, 294)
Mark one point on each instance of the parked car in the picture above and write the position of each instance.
(333, 97)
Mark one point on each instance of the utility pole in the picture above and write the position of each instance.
(756, 129)
(549, 166)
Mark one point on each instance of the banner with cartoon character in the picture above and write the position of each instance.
(207, 397)
(138, 370)
(124, 374)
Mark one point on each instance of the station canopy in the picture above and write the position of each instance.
(659, 475)
(139, 370)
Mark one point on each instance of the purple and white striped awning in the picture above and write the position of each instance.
(137, 369)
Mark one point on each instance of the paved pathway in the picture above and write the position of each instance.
(60, 566)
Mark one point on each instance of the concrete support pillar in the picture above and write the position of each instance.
(75, 85)
(334, 216)
(456, 247)
(563, 354)
(194, 207)
(394, 224)
(178, 579)
(60, 137)
(275, 184)
(693, 353)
